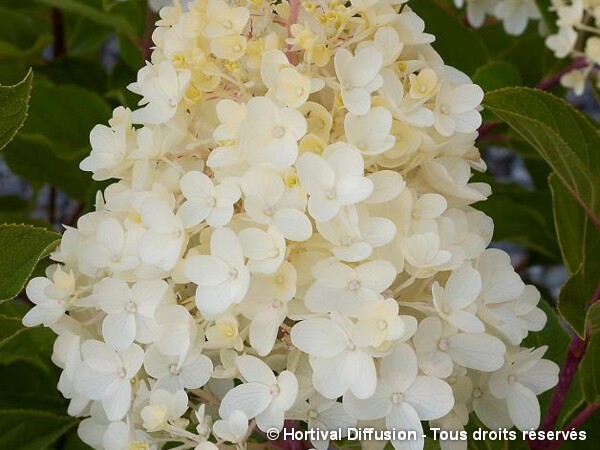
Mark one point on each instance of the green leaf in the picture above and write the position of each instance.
(64, 115)
(14, 101)
(40, 393)
(589, 369)
(33, 159)
(10, 327)
(522, 217)
(565, 138)
(460, 46)
(22, 247)
(549, 16)
(85, 9)
(31, 430)
(20, 36)
(497, 75)
(580, 246)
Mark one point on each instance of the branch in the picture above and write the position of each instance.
(574, 424)
(544, 85)
(59, 47)
(575, 354)
(146, 44)
(294, 13)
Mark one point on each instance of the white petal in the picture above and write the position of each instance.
(477, 351)
(523, 407)
(254, 370)
(319, 337)
(119, 330)
(462, 288)
(431, 397)
(250, 398)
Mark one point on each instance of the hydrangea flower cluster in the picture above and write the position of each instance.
(578, 37)
(291, 237)
(514, 14)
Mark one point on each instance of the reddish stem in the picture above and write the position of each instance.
(294, 13)
(574, 424)
(575, 354)
(546, 85)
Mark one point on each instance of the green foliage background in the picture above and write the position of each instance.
(64, 65)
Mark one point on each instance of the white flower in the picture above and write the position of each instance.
(339, 287)
(206, 201)
(563, 42)
(333, 181)
(265, 250)
(190, 370)
(271, 133)
(338, 364)
(403, 397)
(163, 243)
(524, 376)
(113, 248)
(268, 202)
(222, 277)
(163, 408)
(109, 148)
(455, 301)
(516, 13)
(176, 330)
(354, 234)
(456, 108)
(359, 77)
(370, 133)
(438, 346)
(162, 88)
(320, 413)
(232, 429)
(263, 396)
(284, 82)
(130, 310)
(51, 298)
(267, 306)
(106, 374)
(380, 324)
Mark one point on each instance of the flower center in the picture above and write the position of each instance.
(512, 379)
(121, 372)
(277, 304)
(211, 201)
(174, 369)
(312, 414)
(233, 273)
(279, 279)
(354, 286)
(131, 307)
(274, 390)
(381, 324)
(346, 241)
(299, 91)
(445, 109)
(443, 345)
(268, 211)
(330, 193)
(278, 132)
(397, 397)
(227, 24)
(350, 346)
